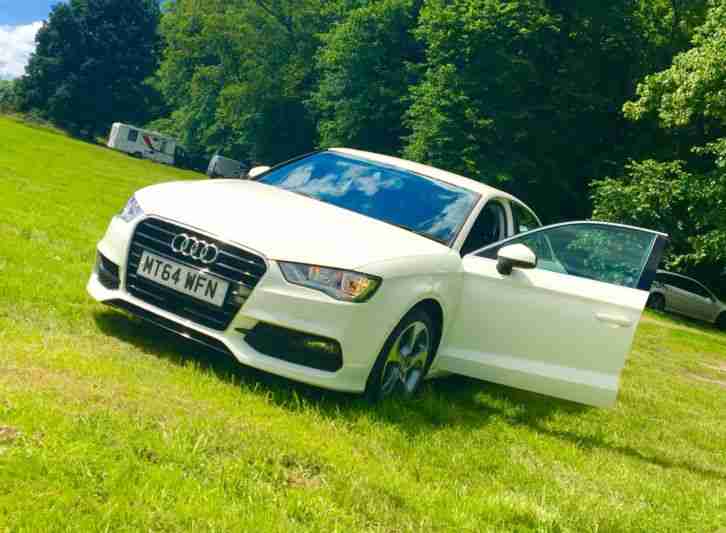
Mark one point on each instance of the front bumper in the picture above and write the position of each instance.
(360, 328)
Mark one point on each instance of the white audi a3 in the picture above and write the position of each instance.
(360, 272)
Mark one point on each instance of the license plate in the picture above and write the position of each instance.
(189, 281)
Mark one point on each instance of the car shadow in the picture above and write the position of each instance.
(452, 401)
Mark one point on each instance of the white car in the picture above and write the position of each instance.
(686, 296)
(360, 272)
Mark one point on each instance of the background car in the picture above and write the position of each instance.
(686, 296)
(225, 167)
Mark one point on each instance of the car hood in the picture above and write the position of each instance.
(283, 225)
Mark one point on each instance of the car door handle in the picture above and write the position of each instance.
(617, 320)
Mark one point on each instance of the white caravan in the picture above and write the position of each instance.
(142, 143)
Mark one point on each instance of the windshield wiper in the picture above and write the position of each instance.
(305, 194)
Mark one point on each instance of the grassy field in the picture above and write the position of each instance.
(110, 424)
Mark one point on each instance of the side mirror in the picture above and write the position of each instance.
(515, 256)
(256, 171)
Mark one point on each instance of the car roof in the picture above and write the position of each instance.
(432, 172)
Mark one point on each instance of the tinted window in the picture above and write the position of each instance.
(524, 220)
(423, 205)
(610, 254)
(696, 288)
(676, 282)
(490, 226)
(133, 135)
(687, 285)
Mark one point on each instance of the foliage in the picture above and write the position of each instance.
(653, 194)
(523, 94)
(692, 88)
(510, 94)
(90, 64)
(237, 74)
(361, 96)
(8, 96)
(684, 198)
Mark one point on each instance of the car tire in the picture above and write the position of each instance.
(656, 302)
(721, 321)
(405, 358)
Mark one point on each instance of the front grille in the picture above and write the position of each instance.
(296, 347)
(242, 269)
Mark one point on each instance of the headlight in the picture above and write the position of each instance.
(340, 284)
(131, 211)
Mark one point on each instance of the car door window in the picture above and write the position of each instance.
(685, 285)
(674, 282)
(602, 252)
(489, 227)
(698, 289)
(524, 219)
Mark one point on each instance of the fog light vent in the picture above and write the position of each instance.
(296, 347)
(107, 272)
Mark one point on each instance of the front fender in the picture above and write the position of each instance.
(409, 281)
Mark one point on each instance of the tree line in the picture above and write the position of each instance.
(614, 109)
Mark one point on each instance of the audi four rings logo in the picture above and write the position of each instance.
(198, 249)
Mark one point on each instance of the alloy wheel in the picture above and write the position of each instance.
(406, 360)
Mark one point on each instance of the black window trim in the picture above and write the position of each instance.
(647, 274)
(514, 202)
(506, 213)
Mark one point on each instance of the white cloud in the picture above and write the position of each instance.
(16, 45)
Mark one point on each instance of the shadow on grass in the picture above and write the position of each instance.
(454, 401)
(668, 319)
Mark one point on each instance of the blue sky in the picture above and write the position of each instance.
(16, 12)
(19, 21)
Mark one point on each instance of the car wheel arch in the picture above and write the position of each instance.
(654, 296)
(436, 311)
(432, 305)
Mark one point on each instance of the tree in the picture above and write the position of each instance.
(8, 96)
(238, 73)
(362, 92)
(91, 62)
(526, 94)
(684, 198)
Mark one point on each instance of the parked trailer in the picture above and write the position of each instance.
(142, 143)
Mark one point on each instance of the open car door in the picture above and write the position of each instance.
(563, 327)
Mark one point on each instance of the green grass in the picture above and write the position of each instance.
(110, 424)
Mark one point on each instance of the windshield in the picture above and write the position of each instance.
(423, 205)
